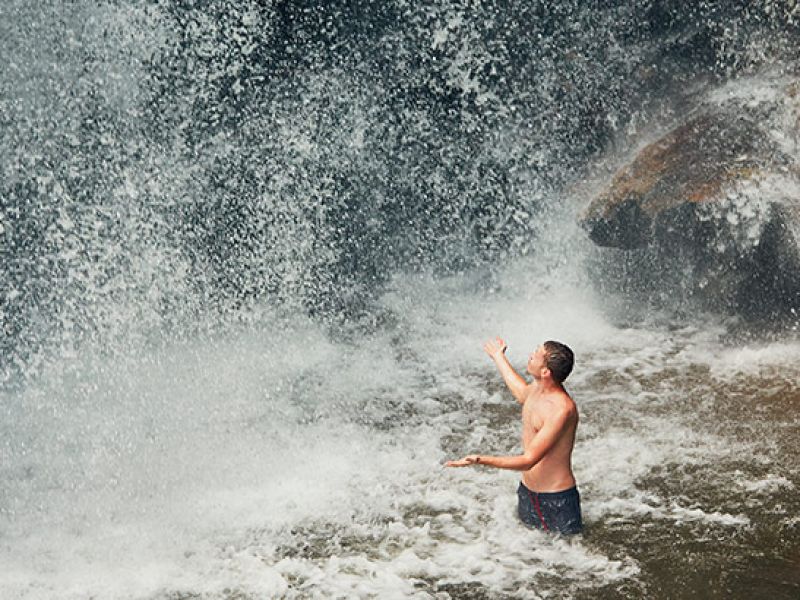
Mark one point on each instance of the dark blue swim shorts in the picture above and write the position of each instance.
(556, 512)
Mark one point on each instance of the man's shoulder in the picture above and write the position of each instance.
(560, 401)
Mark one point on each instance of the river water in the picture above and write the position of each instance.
(284, 463)
(251, 251)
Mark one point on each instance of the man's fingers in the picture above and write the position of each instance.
(492, 347)
(464, 462)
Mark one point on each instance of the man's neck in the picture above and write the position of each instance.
(548, 385)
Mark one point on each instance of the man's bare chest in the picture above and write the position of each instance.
(531, 419)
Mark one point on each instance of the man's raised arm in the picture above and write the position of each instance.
(496, 350)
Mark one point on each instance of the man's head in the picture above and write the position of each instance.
(552, 360)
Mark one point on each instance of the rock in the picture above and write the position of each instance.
(692, 163)
(710, 212)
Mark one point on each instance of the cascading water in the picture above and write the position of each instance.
(249, 251)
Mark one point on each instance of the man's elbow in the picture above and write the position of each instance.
(528, 463)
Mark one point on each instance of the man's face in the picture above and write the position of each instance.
(536, 361)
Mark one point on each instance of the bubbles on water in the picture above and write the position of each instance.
(284, 462)
(185, 183)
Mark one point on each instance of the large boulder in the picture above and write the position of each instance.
(710, 211)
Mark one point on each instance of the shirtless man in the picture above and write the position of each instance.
(548, 498)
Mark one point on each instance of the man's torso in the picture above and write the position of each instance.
(553, 473)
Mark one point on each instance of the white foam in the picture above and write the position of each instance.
(725, 362)
(196, 469)
(767, 485)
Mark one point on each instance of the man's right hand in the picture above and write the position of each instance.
(495, 348)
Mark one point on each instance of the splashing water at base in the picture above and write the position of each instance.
(174, 165)
(283, 464)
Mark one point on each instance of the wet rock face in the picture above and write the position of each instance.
(709, 215)
(690, 164)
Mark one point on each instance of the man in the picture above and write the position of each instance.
(548, 498)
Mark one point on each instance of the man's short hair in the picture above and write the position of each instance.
(559, 359)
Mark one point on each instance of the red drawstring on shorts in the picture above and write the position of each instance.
(535, 499)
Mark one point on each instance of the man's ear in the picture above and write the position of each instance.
(546, 372)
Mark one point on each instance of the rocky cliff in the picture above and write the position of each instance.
(709, 212)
